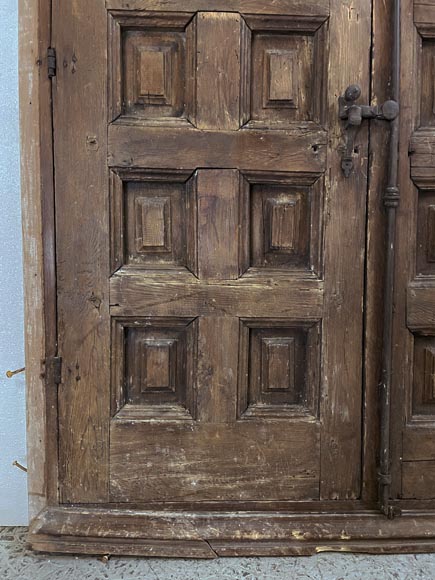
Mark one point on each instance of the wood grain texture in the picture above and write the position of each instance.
(294, 7)
(420, 307)
(301, 150)
(243, 461)
(216, 373)
(344, 265)
(219, 66)
(38, 251)
(418, 479)
(218, 224)
(134, 295)
(82, 249)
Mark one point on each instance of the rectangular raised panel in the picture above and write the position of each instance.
(153, 221)
(278, 364)
(279, 368)
(429, 375)
(423, 388)
(430, 248)
(426, 233)
(159, 358)
(287, 71)
(153, 225)
(154, 76)
(284, 217)
(285, 226)
(199, 461)
(149, 61)
(152, 367)
(281, 82)
(427, 76)
(421, 307)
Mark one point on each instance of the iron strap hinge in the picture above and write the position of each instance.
(53, 369)
(51, 62)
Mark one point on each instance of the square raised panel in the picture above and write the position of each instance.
(153, 367)
(426, 233)
(287, 72)
(427, 76)
(149, 65)
(283, 228)
(279, 368)
(153, 221)
(423, 390)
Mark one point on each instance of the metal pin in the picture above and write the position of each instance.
(10, 374)
(16, 464)
(105, 559)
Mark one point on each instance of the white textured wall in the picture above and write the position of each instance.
(13, 494)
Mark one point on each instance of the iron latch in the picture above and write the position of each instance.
(51, 62)
(354, 114)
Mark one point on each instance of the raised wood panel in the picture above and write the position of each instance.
(284, 224)
(201, 461)
(153, 221)
(152, 365)
(418, 479)
(134, 294)
(427, 76)
(423, 389)
(421, 307)
(426, 233)
(149, 62)
(279, 369)
(287, 151)
(282, 78)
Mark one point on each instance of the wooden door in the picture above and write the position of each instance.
(210, 252)
(414, 354)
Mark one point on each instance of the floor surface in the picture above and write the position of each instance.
(18, 563)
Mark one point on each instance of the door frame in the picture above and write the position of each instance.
(205, 534)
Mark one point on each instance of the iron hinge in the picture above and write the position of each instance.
(51, 62)
(53, 369)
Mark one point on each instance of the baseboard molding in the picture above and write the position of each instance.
(183, 534)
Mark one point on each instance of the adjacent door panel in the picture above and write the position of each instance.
(414, 414)
(210, 252)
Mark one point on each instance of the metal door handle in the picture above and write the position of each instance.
(354, 114)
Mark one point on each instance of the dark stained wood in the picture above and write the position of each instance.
(216, 371)
(341, 401)
(82, 250)
(418, 442)
(132, 294)
(375, 242)
(294, 7)
(202, 461)
(218, 224)
(302, 150)
(220, 42)
(150, 532)
(418, 479)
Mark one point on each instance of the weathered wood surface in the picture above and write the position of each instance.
(293, 7)
(202, 461)
(248, 150)
(38, 251)
(82, 249)
(341, 401)
(132, 294)
(418, 479)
